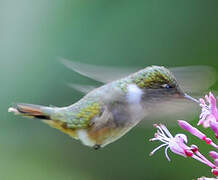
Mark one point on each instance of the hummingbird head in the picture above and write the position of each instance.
(158, 83)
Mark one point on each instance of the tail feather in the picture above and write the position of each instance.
(30, 110)
(45, 113)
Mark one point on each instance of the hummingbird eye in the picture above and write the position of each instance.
(166, 86)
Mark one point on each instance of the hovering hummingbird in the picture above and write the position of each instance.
(108, 112)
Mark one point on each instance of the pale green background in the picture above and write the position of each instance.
(107, 32)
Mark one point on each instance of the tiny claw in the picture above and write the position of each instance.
(97, 146)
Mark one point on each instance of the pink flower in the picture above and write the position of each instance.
(209, 113)
(194, 131)
(209, 110)
(175, 144)
(213, 154)
(214, 127)
(178, 145)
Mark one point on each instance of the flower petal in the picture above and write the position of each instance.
(214, 127)
(186, 126)
(176, 148)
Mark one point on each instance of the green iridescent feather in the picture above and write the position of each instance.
(80, 115)
(152, 76)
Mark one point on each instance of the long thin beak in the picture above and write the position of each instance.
(191, 98)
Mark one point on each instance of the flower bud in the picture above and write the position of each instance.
(186, 126)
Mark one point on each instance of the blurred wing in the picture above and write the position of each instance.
(82, 88)
(99, 73)
(192, 79)
(169, 112)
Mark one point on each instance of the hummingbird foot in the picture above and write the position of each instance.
(97, 146)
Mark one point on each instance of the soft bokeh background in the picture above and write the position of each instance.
(119, 33)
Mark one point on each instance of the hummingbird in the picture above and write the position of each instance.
(108, 112)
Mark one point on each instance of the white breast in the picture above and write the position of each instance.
(84, 138)
(134, 94)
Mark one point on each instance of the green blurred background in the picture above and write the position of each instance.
(118, 33)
